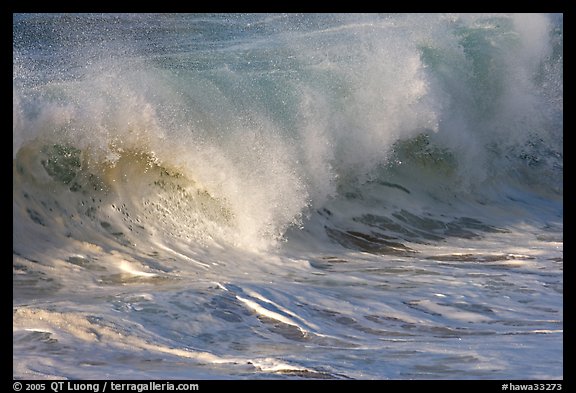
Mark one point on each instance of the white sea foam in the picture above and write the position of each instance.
(307, 196)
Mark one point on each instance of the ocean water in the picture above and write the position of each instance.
(285, 196)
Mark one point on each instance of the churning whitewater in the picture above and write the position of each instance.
(287, 196)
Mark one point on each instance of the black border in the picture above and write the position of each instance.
(370, 6)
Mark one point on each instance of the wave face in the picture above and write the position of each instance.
(287, 196)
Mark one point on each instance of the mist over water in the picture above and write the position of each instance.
(208, 188)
